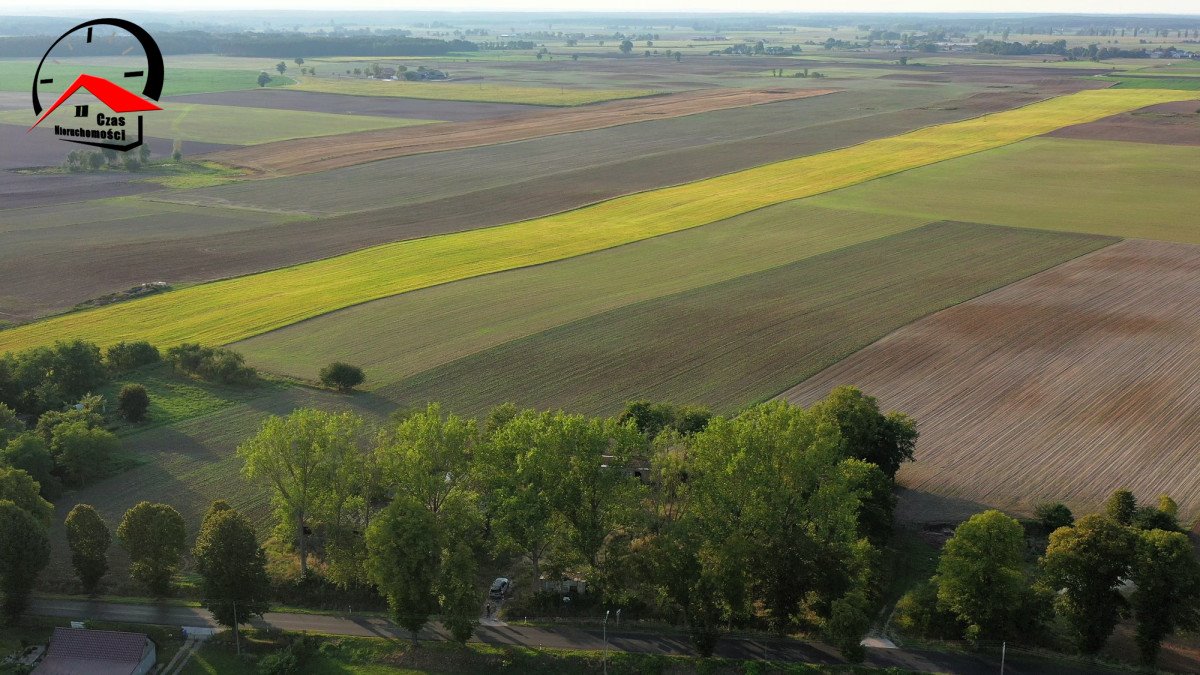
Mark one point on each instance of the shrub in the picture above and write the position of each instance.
(214, 364)
(917, 614)
(342, 376)
(1053, 515)
(125, 356)
(29, 453)
(291, 659)
(82, 452)
(133, 402)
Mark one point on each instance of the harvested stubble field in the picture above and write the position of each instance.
(400, 336)
(233, 309)
(1064, 386)
(481, 91)
(313, 155)
(461, 190)
(1102, 187)
(1169, 124)
(749, 338)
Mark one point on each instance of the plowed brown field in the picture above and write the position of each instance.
(321, 154)
(1065, 386)
(1175, 123)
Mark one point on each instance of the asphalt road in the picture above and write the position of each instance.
(497, 633)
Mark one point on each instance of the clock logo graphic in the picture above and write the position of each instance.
(110, 123)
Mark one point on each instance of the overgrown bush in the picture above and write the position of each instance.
(125, 356)
(133, 402)
(291, 659)
(214, 364)
(342, 376)
(917, 614)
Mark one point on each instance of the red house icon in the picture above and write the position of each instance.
(116, 98)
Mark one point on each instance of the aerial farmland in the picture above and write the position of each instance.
(574, 294)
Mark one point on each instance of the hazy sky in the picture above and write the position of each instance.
(1060, 6)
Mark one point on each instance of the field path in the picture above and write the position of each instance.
(233, 309)
(310, 155)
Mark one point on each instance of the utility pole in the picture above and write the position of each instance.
(605, 631)
(237, 640)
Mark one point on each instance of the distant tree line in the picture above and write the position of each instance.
(1058, 48)
(270, 45)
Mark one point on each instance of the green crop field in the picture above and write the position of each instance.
(1103, 187)
(1156, 82)
(454, 91)
(17, 75)
(234, 124)
(402, 335)
(749, 338)
(229, 310)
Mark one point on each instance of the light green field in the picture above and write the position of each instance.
(482, 91)
(402, 335)
(234, 309)
(233, 124)
(1103, 187)
(749, 338)
(17, 75)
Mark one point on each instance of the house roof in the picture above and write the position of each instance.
(117, 98)
(78, 650)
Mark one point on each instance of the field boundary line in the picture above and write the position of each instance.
(226, 311)
(1113, 242)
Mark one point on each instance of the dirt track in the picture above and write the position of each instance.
(310, 155)
(1064, 386)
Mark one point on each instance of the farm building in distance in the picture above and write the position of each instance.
(78, 651)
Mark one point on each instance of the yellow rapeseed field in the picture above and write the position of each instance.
(466, 91)
(233, 309)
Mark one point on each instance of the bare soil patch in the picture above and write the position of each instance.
(331, 152)
(382, 106)
(1175, 123)
(1064, 386)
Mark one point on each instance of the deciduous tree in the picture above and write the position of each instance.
(1121, 506)
(341, 376)
(154, 536)
(232, 567)
(19, 488)
(402, 561)
(89, 539)
(297, 456)
(980, 577)
(132, 402)
(1166, 598)
(24, 551)
(1087, 563)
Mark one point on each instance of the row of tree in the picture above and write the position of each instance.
(226, 553)
(985, 588)
(774, 517)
